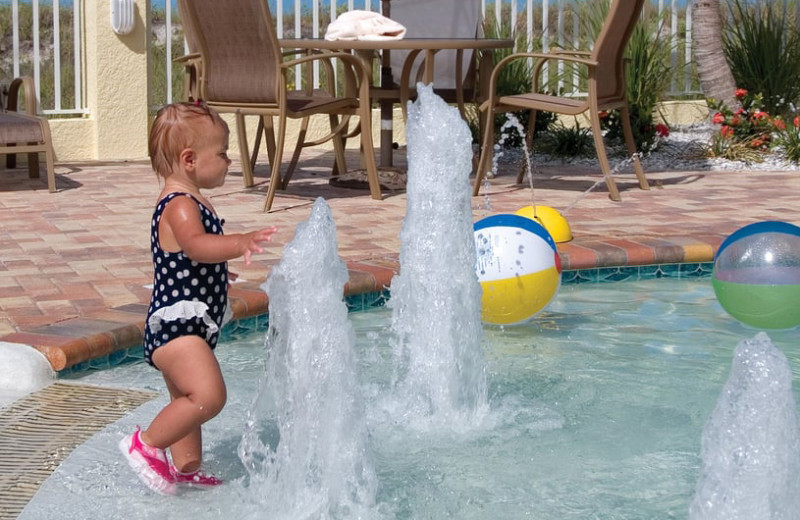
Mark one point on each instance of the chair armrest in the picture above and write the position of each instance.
(29, 93)
(187, 57)
(355, 65)
(542, 58)
(573, 52)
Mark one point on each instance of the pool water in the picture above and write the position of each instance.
(597, 408)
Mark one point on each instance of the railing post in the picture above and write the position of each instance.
(116, 83)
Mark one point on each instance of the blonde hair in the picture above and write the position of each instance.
(178, 126)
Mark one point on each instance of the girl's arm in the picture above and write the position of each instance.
(181, 229)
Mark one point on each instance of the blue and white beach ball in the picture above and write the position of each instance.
(757, 275)
(518, 268)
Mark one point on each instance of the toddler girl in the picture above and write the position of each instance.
(188, 146)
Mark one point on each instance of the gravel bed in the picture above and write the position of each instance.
(683, 149)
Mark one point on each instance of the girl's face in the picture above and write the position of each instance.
(212, 158)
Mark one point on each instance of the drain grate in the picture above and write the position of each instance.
(40, 430)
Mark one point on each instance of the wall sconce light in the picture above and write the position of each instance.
(122, 19)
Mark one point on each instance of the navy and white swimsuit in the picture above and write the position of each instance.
(189, 298)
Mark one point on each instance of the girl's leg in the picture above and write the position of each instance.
(187, 452)
(198, 393)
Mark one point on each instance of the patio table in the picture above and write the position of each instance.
(367, 50)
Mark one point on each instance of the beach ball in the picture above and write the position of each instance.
(757, 275)
(517, 266)
(553, 221)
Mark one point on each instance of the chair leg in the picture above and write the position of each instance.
(33, 165)
(275, 168)
(244, 153)
(51, 173)
(368, 148)
(528, 147)
(486, 151)
(627, 131)
(301, 138)
(257, 143)
(269, 132)
(600, 148)
(344, 135)
(50, 157)
(338, 147)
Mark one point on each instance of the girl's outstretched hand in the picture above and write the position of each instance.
(251, 241)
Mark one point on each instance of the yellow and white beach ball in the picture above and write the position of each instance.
(518, 268)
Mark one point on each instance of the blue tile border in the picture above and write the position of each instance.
(360, 302)
(634, 273)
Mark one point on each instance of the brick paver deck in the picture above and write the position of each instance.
(74, 264)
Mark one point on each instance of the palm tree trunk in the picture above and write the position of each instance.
(716, 78)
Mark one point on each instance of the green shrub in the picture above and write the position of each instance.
(744, 134)
(763, 51)
(789, 140)
(565, 141)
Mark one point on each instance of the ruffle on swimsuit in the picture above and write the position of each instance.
(186, 309)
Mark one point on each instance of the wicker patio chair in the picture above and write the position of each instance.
(606, 91)
(26, 132)
(241, 69)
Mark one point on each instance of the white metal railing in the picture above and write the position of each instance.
(308, 18)
(52, 23)
(546, 21)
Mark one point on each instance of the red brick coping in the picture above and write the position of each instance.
(77, 340)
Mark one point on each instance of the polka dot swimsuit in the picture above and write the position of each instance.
(189, 298)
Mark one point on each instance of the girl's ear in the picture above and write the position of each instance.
(187, 158)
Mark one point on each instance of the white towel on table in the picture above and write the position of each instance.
(364, 25)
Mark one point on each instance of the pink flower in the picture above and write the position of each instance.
(726, 131)
(779, 124)
(740, 93)
(662, 130)
(718, 119)
(760, 114)
(735, 121)
(796, 122)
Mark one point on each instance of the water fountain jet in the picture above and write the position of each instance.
(751, 443)
(439, 368)
(319, 467)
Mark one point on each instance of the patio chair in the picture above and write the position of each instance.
(26, 132)
(241, 70)
(455, 74)
(606, 91)
(191, 61)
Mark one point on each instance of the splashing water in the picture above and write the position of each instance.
(439, 374)
(513, 123)
(751, 443)
(305, 442)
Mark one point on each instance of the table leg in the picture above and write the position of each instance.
(387, 115)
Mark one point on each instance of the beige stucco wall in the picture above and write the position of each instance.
(684, 112)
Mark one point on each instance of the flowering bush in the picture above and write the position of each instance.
(749, 125)
(749, 132)
(745, 134)
(789, 140)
